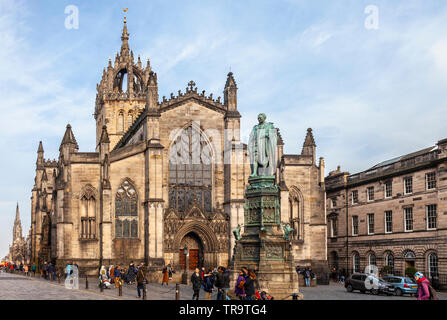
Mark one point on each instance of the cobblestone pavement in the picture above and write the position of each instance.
(19, 287)
(337, 291)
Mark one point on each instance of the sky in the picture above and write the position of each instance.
(371, 84)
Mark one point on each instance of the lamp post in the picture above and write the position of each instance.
(185, 272)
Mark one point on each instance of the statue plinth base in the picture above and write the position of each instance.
(262, 244)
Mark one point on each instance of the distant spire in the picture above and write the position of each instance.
(40, 149)
(230, 93)
(17, 219)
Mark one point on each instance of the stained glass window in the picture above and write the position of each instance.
(126, 211)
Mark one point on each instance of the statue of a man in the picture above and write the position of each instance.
(287, 229)
(262, 148)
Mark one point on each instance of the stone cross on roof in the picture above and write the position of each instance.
(191, 85)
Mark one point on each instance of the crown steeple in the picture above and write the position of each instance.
(125, 41)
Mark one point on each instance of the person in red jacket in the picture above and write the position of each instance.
(423, 292)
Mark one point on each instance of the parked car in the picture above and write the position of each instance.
(402, 285)
(357, 281)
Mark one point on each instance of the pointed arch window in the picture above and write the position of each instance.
(88, 215)
(190, 171)
(126, 211)
(295, 214)
(120, 123)
(129, 119)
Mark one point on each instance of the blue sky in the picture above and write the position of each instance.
(369, 95)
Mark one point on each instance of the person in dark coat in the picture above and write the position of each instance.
(226, 283)
(131, 273)
(196, 281)
(219, 283)
(208, 285)
(141, 279)
(249, 285)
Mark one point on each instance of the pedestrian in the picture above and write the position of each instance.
(226, 283)
(50, 269)
(425, 290)
(141, 279)
(165, 279)
(111, 273)
(249, 285)
(26, 270)
(131, 273)
(219, 283)
(103, 279)
(307, 275)
(33, 269)
(240, 284)
(208, 284)
(117, 275)
(196, 282)
(170, 271)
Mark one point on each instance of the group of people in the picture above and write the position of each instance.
(338, 275)
(118, 276)
(218, 278)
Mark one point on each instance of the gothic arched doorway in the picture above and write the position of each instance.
(195, 251)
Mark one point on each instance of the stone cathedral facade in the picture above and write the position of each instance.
(166, 174)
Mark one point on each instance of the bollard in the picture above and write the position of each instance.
(101, 286)
(86, 282)
(177, 291)
(120, 289)
(144, 292)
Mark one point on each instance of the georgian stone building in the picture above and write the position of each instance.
(393, 214)
(166, 173)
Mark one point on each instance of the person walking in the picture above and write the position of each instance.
(424, 288)
(141, 279)
(33, 269)
(165, 272)
(196, 282)
(117, 275)
(208, 284)
(240, 284)
(26, 270)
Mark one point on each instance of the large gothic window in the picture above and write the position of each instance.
(190, 168)
(88, 215)
(126, 211)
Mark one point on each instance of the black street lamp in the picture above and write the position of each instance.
(185, 272)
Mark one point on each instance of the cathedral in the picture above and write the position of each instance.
(168, 177)
(20, 247)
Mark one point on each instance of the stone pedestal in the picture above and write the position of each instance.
(263, 245)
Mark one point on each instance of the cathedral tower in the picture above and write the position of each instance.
(121, 93)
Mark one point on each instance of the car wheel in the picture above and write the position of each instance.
(349, 288)
(399, 292)
(375, 291)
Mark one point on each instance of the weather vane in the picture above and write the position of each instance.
(125, 18)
